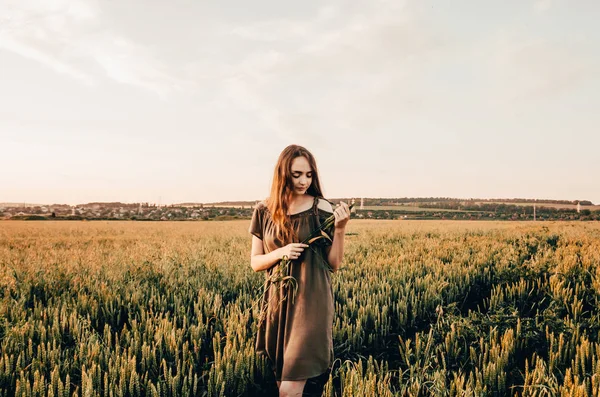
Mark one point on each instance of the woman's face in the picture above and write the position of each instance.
(302, 175)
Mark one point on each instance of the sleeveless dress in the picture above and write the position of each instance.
(296, 335)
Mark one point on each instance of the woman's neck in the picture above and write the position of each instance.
(298, 201)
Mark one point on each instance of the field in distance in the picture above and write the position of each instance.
(549, 205)
(407, 207)
(414, 206)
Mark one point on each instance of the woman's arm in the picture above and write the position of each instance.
(335, 253)
(258, 259)
(261, 261)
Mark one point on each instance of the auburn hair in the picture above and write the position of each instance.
(282, 190)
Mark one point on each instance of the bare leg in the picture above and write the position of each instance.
(291, 388)
(278, 384)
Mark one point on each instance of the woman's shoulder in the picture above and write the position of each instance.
(325, 205)
(260, 206)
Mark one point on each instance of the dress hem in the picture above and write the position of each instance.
(303, 377)
(264, 353)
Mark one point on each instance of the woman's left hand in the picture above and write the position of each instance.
(342, 215)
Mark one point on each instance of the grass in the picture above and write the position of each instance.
(422, 308)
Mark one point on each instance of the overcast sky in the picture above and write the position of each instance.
(179, 101)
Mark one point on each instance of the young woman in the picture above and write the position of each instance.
(296, 335)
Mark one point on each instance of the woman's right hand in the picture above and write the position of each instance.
(292, 251)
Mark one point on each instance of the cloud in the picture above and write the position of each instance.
(287, 29)
(524, 67)
(359, 63)
(129, 63)
(35, 54)
(540, 6)
(71, 38)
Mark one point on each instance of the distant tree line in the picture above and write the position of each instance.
(440, 200)
(461, 210)
(503, 208)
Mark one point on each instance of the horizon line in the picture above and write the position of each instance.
(28, 204)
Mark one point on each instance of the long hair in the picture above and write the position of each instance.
(282, 190)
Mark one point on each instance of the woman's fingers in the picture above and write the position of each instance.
(343, 209)
(342, 212)
(296, 249)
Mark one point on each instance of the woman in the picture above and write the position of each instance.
(297, 334)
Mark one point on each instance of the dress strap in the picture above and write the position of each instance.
(315, 205)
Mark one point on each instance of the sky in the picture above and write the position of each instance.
(192, 101)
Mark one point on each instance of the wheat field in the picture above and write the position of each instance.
(422, 308)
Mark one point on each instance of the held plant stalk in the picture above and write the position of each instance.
(281, 277)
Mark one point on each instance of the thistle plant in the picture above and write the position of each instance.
(281, 276)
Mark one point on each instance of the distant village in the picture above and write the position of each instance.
(136, 211)
(124, 211)
(399, 209)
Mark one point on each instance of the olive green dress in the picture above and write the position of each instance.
(296, 335)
